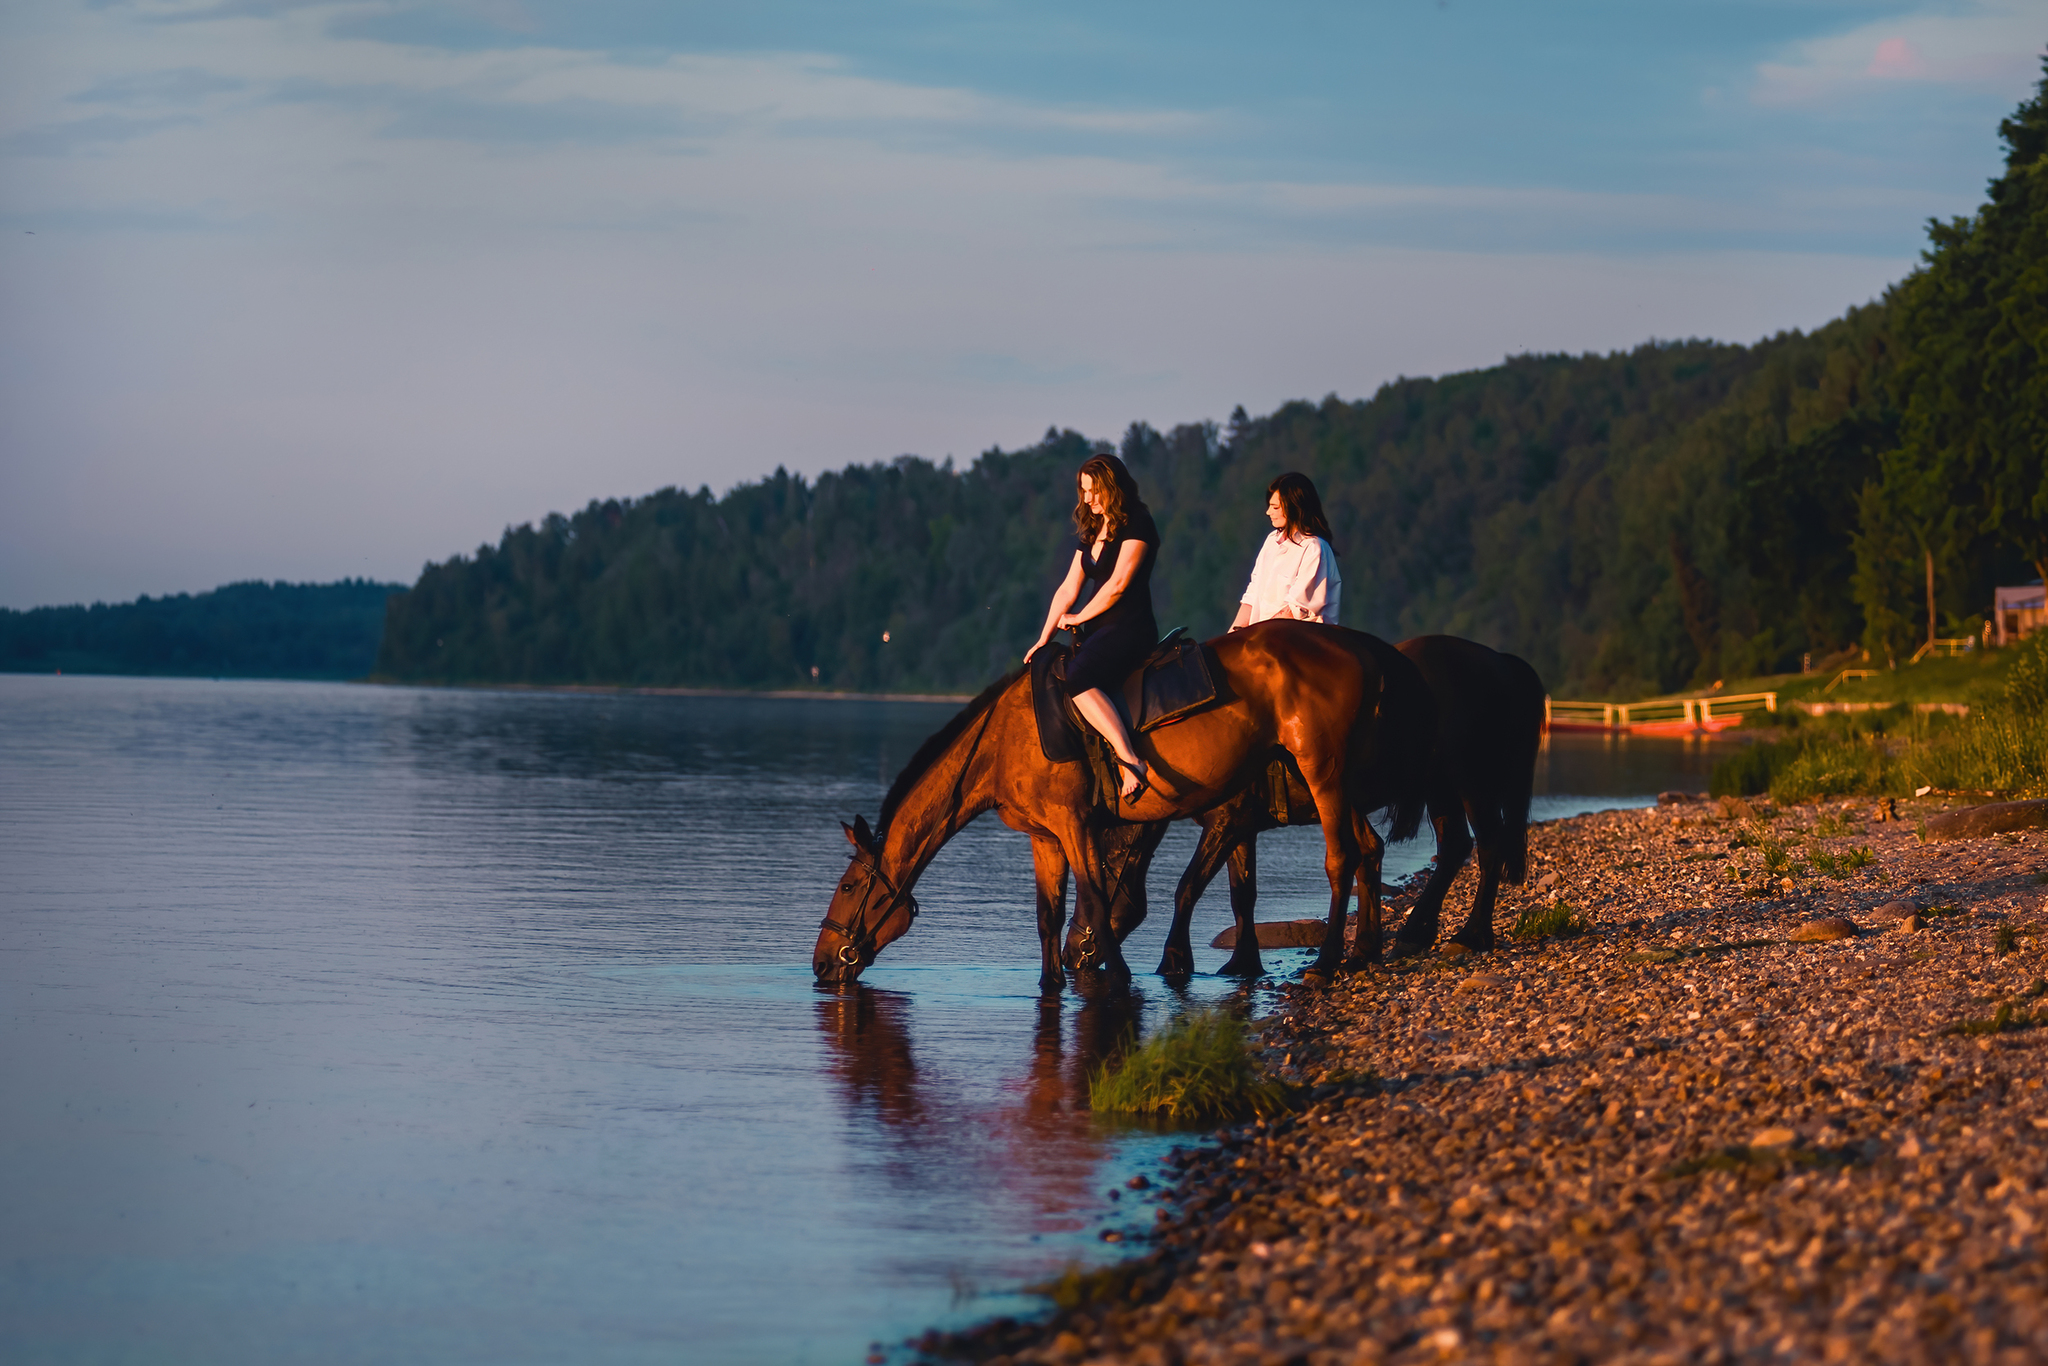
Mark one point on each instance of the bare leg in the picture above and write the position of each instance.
(1098, 711)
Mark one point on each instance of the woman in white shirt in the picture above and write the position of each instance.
(1296, 572)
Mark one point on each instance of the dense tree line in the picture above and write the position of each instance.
(1678, 513)
(1965, 482)
(243, 630)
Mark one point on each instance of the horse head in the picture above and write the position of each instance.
(867, 912)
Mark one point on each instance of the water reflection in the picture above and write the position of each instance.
(1030, 1141)
(359, 1024)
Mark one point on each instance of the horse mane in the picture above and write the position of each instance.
(928, 753)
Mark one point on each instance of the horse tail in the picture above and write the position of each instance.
(1408, 696)
(1524, 739)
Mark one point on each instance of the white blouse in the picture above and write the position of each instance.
(1295, 579)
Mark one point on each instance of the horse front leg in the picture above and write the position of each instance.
(1477, 932)
(1128, 902)
(1365, 948)
(1244, 900)
(1091, 906)
(1418, 932)
(1340, 863)
(1049, 867)
(1177, 959)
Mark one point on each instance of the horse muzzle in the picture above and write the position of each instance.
(841, 965)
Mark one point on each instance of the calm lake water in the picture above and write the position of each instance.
(350, 1024)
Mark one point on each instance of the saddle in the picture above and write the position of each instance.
(1175, 680)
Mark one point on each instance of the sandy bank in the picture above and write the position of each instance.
(1683, 1136)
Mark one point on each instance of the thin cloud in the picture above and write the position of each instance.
(182, 86)
(76, 136)
(1992, 45)
(460, 116)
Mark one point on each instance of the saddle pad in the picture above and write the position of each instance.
(1176, 680)
(1059, 734)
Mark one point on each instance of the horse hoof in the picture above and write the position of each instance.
(1405, 948)
(1318, 976)
(1353, 966)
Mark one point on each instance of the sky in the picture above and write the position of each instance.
(311, 290)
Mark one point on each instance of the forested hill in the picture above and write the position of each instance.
(1678, 513)
(1498, 504)
(243, 630)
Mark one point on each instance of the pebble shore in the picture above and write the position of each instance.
(1711, 1127)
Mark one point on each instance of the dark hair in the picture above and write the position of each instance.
(1119, 496)
(1303, 508)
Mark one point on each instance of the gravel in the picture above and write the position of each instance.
(1692, 1134)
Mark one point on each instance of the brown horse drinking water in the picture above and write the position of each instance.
(1282, 685)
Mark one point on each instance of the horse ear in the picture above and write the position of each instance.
(852, 837)
(863, 838)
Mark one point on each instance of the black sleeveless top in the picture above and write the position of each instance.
(1134, 608)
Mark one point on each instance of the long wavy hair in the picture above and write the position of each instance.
(1119, 497)
(1303, 506)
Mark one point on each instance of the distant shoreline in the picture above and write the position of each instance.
(625, 690)
(612, 689)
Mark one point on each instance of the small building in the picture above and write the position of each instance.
(2017, 613)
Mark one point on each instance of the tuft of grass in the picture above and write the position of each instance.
(2006, 941)
(1745, 773)
(2005, 1020)
(1078, 1286)
(1833, 824)
(1200, 1067)
(1699, 951)
(1559, 920)
(1838, 866)
(1760, 1163)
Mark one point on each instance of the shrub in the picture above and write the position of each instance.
(1997, 752)
(1200, 1067)
(1745, 773)
(2026, 677)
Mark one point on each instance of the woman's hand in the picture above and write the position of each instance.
(1069, 620)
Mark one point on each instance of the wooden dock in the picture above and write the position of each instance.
(1663, 716)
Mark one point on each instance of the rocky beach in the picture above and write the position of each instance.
(1774, 1092)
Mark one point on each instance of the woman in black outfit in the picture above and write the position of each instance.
(1113, 555)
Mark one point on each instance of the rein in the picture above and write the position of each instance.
(861, 945)
(863, 939)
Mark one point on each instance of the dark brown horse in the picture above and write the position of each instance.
(1490, 726)
(1489, 716)
(1282, 685)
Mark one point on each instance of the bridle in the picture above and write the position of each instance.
(861, 947)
